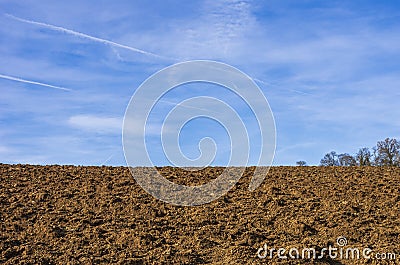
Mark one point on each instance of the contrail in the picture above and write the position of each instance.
(181, 105)
(32, 82)
(85, 36)
(107, 160)
(292, 90)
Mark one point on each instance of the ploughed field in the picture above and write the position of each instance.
(99, 215)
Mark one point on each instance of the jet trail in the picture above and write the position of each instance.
(32, 82)
(291, 90)
(85, 36)
(107, 160)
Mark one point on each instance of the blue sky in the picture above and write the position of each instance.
(329, 69)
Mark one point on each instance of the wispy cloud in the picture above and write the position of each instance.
(32, 82)
(98, 124)
(295, 146)
(86, 36)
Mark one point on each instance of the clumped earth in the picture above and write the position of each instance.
(98, 215)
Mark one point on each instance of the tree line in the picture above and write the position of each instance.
(384, 153)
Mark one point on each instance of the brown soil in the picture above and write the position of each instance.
(93, 215)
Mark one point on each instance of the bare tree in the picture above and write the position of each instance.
(330, 159)
(301, 163)
(364, 157)
(388, 153)
(346, 160)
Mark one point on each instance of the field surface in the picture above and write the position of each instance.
(100, 215)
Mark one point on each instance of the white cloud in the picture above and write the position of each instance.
(218, 30)
(98, 124)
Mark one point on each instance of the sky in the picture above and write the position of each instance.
(329, 69)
